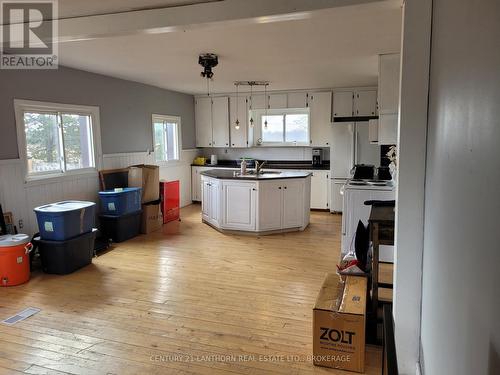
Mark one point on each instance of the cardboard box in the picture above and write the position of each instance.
(146, 177)
(151, 218)
(339, 318)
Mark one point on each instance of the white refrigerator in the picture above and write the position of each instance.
(350, 146)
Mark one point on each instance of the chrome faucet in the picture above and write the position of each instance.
(259, 166)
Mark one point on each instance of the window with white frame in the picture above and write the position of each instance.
(285, 127)
(57, 139)
(166, 137)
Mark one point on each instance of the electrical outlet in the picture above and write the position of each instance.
(20, 224)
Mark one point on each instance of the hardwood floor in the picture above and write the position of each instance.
(186, 291)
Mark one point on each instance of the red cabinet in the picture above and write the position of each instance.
(170, 200)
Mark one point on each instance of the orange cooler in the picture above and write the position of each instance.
(14, 259)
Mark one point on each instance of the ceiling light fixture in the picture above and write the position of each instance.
(208, 61)
(266, 103)
(251, 106)
(252, 84)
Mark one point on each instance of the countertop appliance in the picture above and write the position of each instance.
(317, 157)
(350, 146)
(383, 173)
(363, 172)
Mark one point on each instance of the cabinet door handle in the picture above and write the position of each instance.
(254, 189)
(279, 187)
(285, 187)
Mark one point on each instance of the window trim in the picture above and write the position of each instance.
(171, 118)
(283, 112)
(21, 106)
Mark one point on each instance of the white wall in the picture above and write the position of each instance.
(21, 198)
(461, 266)
(411, 181)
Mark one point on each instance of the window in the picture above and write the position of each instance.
(56, 139)
(166, 137)
(287, 127)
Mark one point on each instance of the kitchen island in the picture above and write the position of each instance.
(263, 203)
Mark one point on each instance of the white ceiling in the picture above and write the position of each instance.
(335, 47)
(79, 8)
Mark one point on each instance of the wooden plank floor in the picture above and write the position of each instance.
(185, 300)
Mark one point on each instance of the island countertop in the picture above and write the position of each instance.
(222, 174)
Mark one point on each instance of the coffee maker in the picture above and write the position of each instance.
(317, 157)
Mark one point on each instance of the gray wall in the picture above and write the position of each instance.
(125, 106)
(461, 267)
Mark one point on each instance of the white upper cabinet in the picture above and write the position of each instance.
(297, 100)
(388, 83)
(277, 101)
(343, 104)
(388, 129)
(321, 131)
(212, 121)
(220, 121)
(365, 103)
(238, 109)
(203, 118)
(258, 101)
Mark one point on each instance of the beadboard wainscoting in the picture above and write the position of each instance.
(20, 197)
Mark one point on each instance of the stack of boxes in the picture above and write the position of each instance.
(128, 211)
(67, 235)
(147, 177)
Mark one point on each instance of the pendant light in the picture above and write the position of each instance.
(237, 122)
(251, 105)
(266, 102)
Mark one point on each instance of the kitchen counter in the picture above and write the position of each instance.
(271, 202)
(224, 174)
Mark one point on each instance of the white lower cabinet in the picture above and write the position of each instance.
(293, 208)
(239, 205)
(281, 204)
(210, 203)
(320, 182)
(270, 205)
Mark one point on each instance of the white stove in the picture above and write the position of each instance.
(355, 194)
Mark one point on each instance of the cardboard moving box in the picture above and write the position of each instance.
(152, 218)
(339, 318)
(146, 177)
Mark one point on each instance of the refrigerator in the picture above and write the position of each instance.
(350, 146)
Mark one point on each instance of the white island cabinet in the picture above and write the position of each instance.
(267, 203)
